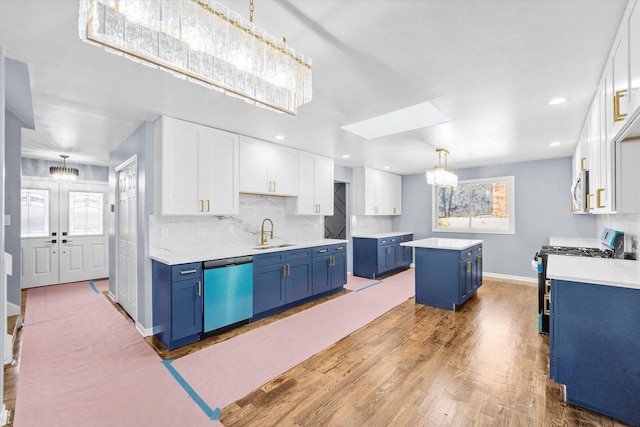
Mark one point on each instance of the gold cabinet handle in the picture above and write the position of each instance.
(480, 260)
(199, 288)
(468, 266)
(201, 205)
(583, 167)
(288, 269)
(394, 211)
(375, 210)
(589, 207)
(617, 115)
(188, 271)
(274, 186)
(599, 198)
(208, 205)
(284, 270)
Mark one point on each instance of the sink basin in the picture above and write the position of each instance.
(275, 245)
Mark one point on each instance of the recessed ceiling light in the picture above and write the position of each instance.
(345, 156)
(387, 167)
(554, 144)
(557, 101)
(278, 137)
(410, 118)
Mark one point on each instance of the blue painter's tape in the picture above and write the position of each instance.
(93, 286)
(213, 414)
(369, 285)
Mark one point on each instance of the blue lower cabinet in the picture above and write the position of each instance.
(375, 257)
(280, 278)
(177, 303)
(594, 344)
(447, 278)
(329, 268)
(284, 279)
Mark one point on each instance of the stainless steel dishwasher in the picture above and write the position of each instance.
(228, 293)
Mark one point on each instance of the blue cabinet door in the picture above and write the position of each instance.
(298, 280)
(268, 287)
(321, 274)
(186, 308)
(338, 270)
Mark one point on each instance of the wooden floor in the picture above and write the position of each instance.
(416, 365)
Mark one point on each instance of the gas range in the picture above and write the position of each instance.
(576, 251)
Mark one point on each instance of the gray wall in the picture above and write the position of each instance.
(38, 167)
(542, 203)
(13, 145)
(139, 143)
(3, 304)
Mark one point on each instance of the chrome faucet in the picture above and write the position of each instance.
(263, 240)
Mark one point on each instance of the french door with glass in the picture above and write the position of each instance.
(64, 231)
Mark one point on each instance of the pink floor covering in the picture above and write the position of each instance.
(82, 364)
(228, 371)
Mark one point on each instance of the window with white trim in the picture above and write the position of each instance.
(476, 206)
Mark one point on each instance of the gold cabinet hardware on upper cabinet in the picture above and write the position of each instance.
(589, 207)
(583, 167)
(599, 198)
(617, 115)
(201, 205)
(208, 205)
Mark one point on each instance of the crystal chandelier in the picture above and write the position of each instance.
(203, 41)
(64, 172)
(440, 176)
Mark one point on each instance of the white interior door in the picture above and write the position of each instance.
(127, 214)
(64, 232)
(39, 231)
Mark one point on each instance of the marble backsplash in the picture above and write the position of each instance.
(628, 223)
(202, 233)
(214, 232)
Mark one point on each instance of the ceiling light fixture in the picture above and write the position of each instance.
(440, 176)
(64, 172)
(345, 156)
(554, 144)
(279, 137)
(204, 41)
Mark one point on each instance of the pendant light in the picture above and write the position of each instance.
(64, 172)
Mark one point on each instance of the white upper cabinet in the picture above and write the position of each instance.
(633, 21)
(315, 185)
(267, 168)
(376, 192)
(198, 170)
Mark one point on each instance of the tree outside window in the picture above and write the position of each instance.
(476, 206)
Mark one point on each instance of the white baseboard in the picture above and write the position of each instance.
(112, 297)
(13, 309)
(145, 332)
(527, 280)
(4, 416)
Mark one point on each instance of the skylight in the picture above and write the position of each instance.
(409, 118)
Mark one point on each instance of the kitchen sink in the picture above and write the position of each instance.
(275, 245)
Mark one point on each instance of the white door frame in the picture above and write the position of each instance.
(133, 160)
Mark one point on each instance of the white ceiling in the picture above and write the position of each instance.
(490, 66)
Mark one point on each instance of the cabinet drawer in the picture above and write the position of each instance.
(466, 254)
(268, 259)
(321, 251)
(186, 271)
(336, 249)
(406, 238)
(298, 254)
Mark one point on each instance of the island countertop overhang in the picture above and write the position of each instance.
(442, 243)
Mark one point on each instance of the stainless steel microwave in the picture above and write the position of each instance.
(580, 191)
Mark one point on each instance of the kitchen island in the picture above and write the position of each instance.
(447, 271)
(594, 338)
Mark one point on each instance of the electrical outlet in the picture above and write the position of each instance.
(202, 231)
(164, 233)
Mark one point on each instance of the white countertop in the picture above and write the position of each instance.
(575, 242)
(438, 243)
(601, 271)
(384, 235)
(169, 257)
